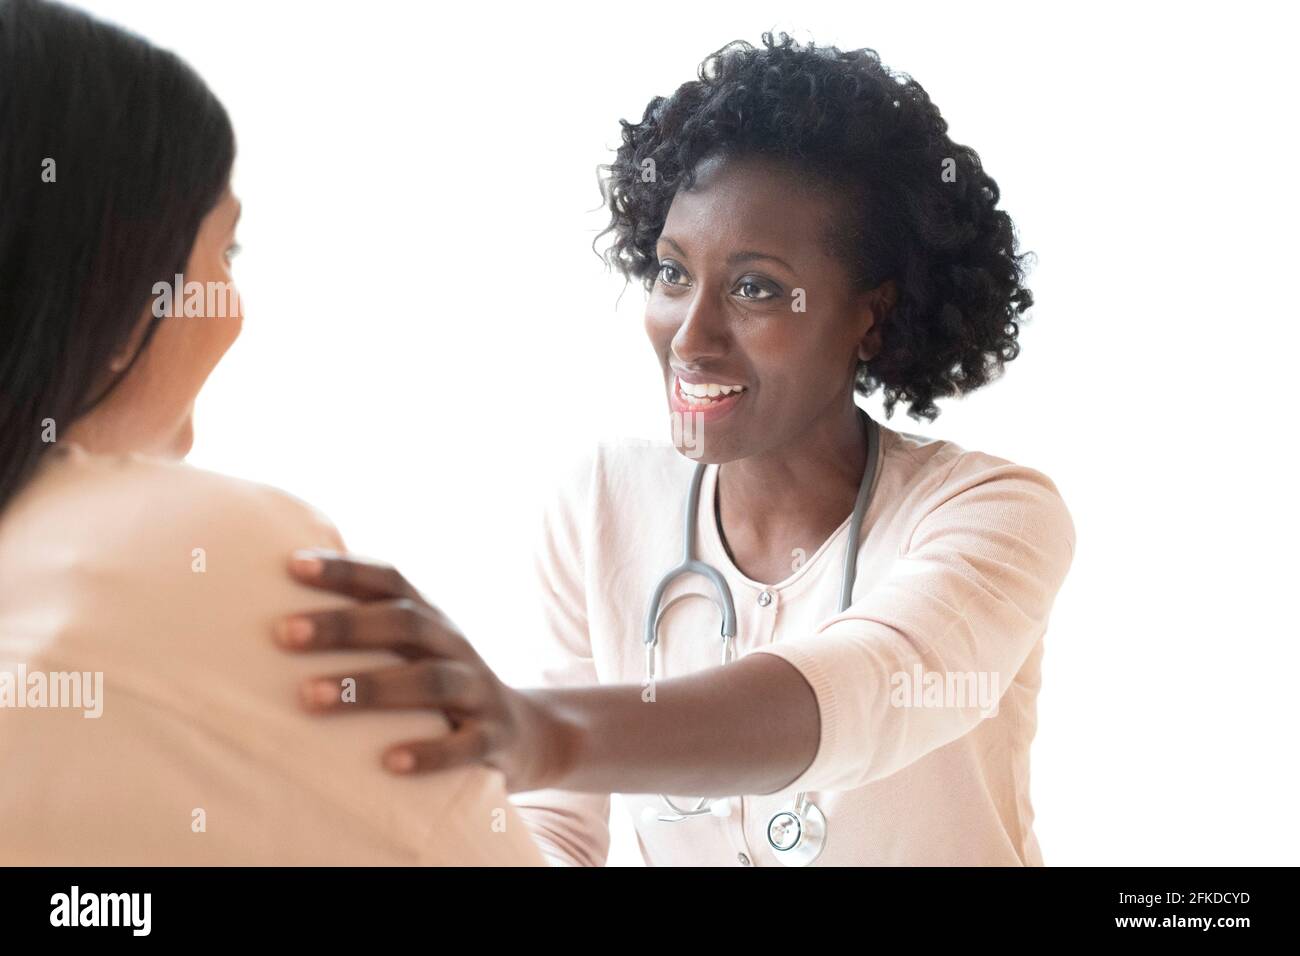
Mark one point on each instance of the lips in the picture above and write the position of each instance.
(709, 401)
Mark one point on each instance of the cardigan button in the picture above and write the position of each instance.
(764, 598)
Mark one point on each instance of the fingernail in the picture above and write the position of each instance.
(319, 693)
(307, 564)
(295, 631)
(400, 761)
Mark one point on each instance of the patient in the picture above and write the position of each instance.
(144, 716)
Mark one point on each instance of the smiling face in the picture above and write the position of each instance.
(740, 254)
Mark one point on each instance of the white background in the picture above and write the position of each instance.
(429, 333)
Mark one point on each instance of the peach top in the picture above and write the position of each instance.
(926, 684)
(166, 580)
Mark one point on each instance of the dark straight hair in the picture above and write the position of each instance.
(112, 152)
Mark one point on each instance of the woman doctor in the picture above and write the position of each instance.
(807, 232)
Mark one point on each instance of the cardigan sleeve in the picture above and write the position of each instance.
(570, 828)
(965, 602)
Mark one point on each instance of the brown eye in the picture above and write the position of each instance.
(754, 290)
(669, 274)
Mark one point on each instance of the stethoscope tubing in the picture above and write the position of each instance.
(806, 811)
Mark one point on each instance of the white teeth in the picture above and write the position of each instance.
(706, 390)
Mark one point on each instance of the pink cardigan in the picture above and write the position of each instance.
(926, 684)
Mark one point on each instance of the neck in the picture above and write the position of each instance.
(106, 430)
(798, 494)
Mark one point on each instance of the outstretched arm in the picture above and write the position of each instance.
(748, 727)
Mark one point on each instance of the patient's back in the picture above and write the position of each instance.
(166, 580)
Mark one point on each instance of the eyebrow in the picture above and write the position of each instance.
(673, 244)
(744, 255)
(239, 211)
(749, 255)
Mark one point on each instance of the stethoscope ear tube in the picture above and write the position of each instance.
(688, 565)
(866, 491)
(797, 836)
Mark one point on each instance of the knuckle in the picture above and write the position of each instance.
(334, 629)
(477, 693)
(480, 741)
(412, 621)
(408, 612)
(335, 572)
(432, 680)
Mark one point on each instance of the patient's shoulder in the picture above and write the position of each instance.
(98, 529)
(121, 500)
(165, 580)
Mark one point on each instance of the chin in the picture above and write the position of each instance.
(703, 452)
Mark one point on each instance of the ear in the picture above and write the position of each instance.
(120, 359)
(876, 305)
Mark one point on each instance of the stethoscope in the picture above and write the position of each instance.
(797, 835)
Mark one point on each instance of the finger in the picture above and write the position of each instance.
(410, 628)
(467, 744)
(356, 577)
(429, 684)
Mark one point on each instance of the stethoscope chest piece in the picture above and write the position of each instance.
(796, 838)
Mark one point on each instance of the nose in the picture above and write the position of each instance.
(702, 335)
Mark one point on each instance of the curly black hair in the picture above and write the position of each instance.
(919, 208)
